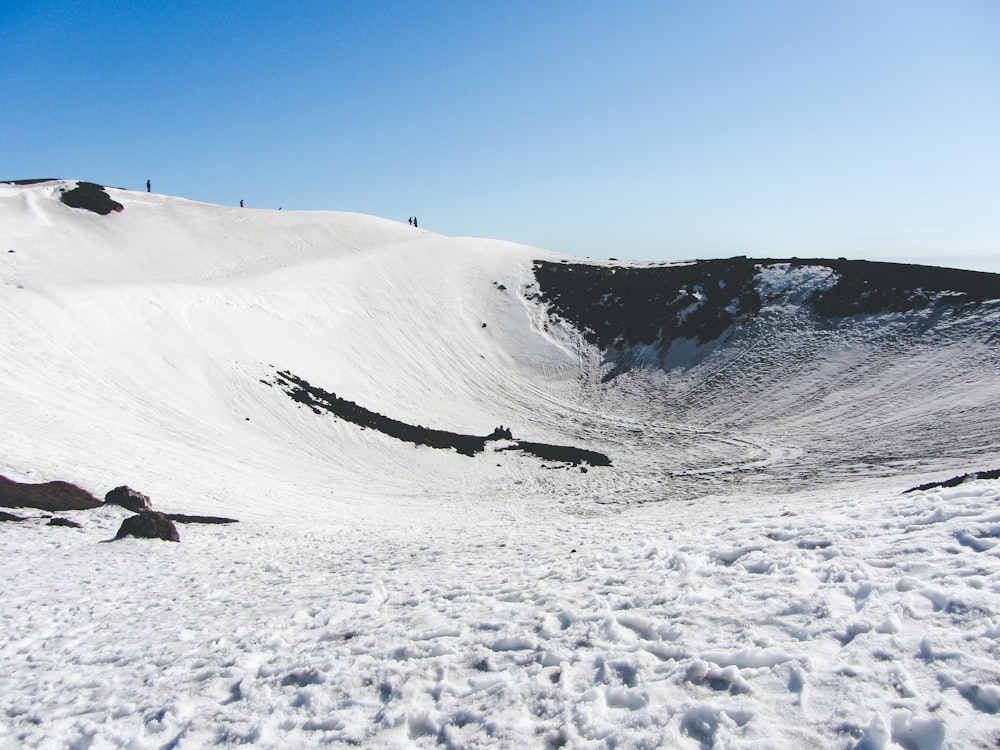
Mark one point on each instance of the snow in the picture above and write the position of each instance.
(748, 574)
(813, 627)
(794, 283)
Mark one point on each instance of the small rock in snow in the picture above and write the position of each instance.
(129, 498)
(149, 525)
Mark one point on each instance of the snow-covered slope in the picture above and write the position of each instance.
(820, 370)
(746, 573)
(154, 331)
(149, 332)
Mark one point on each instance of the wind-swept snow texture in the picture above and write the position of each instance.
(748, 572)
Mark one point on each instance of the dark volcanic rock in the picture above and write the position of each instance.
(64, 522)
(501, 433)
(320, 400)
(51, 496)
(149, 525)
(128, 498)
(636, 313)
(9, 517)
(91, 197)
(616, 306)
(867, 287)
(955, 481)
(184, 518)
(561, 453)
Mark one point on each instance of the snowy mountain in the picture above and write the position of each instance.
(489, 495)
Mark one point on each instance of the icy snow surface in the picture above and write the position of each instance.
(747, 574)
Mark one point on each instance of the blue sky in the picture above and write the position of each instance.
(645, 130)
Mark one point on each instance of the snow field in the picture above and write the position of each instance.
(868, 621)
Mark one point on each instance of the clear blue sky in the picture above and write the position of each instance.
(648, 129)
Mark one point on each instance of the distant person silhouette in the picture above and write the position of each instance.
(414, 221)
(411, 221)
(241, 203)
(148, 186)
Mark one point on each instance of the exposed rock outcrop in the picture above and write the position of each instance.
(91, 197)
(54, 497)
(955, 481)
(628, 310)
(321, 401)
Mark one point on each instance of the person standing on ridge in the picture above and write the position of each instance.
(414, 221)
(148, 186)
(241, 203)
